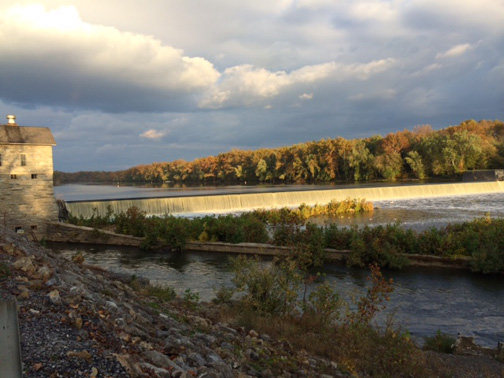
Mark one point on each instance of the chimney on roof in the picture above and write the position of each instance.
(11, 120)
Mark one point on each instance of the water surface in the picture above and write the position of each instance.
(424, 300)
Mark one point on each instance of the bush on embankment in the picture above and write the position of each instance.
(481, 239)
(320, 322)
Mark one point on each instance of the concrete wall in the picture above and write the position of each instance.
(68, 233)
(249, 201)
(27, 202)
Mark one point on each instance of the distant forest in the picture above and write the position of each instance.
(418, 154)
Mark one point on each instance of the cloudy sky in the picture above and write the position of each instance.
(123, 83)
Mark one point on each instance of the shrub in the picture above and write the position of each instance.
(357, 345)
(441, 342)
(174, 231)
(323, 306)
(191, 298)
(163, 293)
(133, 222)
(271, 289)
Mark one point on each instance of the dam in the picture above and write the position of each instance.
(221, 203)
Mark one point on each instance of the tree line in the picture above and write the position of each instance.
(418, 154)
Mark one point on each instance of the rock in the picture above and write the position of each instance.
(84, 355)
(44, 273)
(54, 297)
(267, 374)
(207, 339)
(179, 374)
(94, 373)
(120, 323)
(25, 294)
(153, 371)
(229, 330)
(25, 264)
(111, 306)
(9, 249)
(227, 346)
(195, 359)
(466, 345)
(159, 359)
(213, 359)
(266, 338)
(253, 333)
(52, 282)
(252, 354)
(36, 284)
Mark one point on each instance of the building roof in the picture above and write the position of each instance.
(26, 135)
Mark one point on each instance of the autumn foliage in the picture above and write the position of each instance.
(406, 154)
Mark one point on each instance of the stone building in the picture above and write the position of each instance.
(26, 178)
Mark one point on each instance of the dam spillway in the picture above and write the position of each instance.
(220, 203)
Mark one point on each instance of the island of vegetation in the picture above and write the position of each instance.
(388, 246)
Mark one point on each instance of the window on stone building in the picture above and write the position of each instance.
(0, 160)
(19, 230)
(34, 227)
(23, 160)
(34, 176)
(13, 177)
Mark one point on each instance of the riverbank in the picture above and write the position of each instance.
(79, 320)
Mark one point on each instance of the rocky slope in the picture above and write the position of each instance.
(78, 320)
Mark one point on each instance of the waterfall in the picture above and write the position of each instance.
(249, 201)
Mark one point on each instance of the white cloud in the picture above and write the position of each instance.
(306, 96)
(247, 85)
(93, 54)
(152, 134)
(380, 11)
(454, 51)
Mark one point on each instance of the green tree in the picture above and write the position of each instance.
(390, 166)
(414, 160)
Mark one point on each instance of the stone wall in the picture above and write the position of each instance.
(26, 191)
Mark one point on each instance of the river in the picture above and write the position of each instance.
(423, 301)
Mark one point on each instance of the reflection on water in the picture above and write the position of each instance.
(423, 301)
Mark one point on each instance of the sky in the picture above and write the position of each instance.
(122, 83)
